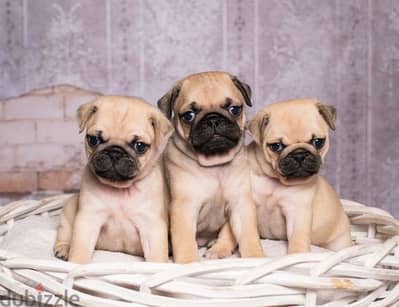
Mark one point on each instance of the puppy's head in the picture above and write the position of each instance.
(124, 138)
(207, 111)
(293, 136)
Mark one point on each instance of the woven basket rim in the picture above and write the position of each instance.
(365, 274)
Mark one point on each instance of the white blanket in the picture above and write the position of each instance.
(34, 237)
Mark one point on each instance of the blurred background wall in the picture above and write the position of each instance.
(344, 52)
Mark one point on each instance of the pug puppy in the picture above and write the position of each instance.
(291, 140)
(206, 164)
(122, 204)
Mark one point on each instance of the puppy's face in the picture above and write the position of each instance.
(208, 115)
(124, 138)
(294, 138)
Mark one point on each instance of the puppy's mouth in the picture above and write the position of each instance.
(214, 134)
(114, 164)
(299, 164)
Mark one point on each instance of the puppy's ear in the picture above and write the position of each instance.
(244, 88)
(256, 127)
(84, 113)
(329, 114)
(167, 101)
(163, 130)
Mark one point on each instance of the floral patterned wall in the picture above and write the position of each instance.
(345, 52)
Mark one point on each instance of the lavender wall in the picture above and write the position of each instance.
(344, 52)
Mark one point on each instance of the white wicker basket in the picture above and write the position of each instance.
(366, 274)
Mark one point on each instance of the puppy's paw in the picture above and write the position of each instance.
(298, 248)
(256, 253)
(186, 259)
(219, 250)
(61, 251)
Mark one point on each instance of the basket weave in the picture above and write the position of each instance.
(365, 274)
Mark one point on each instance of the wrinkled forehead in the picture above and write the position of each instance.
(123, 121)
(208, 89)
(294, 125)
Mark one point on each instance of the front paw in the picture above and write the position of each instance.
(186, 258)
(80, 259)
(294, 248)
(219, 250)
(160, 257)
(254, 253)
(251, 250)
(61, 251)
(80, 255)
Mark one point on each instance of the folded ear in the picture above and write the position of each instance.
(167, 101)
(163, 130)
(84, 113)
(329, 114)
(257, 125)
(244, 88)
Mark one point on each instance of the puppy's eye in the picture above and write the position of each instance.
(276, 147)
(94, 140)
(188, 116)
(140, 147)
(235, 110)
(318, 143)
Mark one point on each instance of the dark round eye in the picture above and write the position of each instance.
(318, 143)
(93, 140)
(276, 147)
(235, 110)
(188, 116)
(140, 147)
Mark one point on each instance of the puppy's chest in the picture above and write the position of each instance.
(220, 185)
(213, 214)
(265, 191)
(267, 196)
(215, 208)
(120, 230)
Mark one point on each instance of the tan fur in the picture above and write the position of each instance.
(304, 211)
(207, 191)
(132, 216)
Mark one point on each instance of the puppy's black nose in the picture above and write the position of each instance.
(213, 120)
(126, 167)
(300, 163)
(102, 162)
(299, 156)
(115, 164)
(115, 152)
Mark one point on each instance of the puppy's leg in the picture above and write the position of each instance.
(299, 229)
(183, 220)
(342, 241)
(244, 225)
(155, 241)
(64, 231)
(344, 237)
(86, 229)
(225, 244)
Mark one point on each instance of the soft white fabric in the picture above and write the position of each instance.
(34, 237)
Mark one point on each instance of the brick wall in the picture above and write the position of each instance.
(341, 52)
(40, 147)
